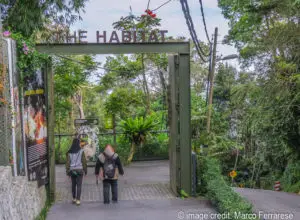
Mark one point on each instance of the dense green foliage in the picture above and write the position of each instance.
(219, 192)
(256, 114)
(29, 60)
(28, 16)
(136, 130)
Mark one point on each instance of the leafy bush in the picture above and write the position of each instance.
(136, 130)
(60, 153)
(123, 148)
(291, 177)
(216, 189)
(156, 146)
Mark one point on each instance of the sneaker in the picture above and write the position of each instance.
(78, 202)
(74, 201)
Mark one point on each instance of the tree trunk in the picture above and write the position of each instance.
(131, 153)
(236, 159)
(257, 179)
(71, 119)
(114, 128)
(163, 86)
(78, 101)
(146, 88)
(164, 91)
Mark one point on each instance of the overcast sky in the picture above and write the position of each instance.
(99, 16)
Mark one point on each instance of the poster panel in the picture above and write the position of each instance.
(35, 125)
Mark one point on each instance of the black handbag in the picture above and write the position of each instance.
(75, 173)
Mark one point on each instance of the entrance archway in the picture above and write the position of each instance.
(179, 104)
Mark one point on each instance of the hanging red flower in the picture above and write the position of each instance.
(150, 13)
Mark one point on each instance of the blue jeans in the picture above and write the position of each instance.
(107, 183)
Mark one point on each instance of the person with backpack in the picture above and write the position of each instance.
(76, 167)
(108, 167)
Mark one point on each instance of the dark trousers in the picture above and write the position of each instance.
(76, 186)
(114, 190)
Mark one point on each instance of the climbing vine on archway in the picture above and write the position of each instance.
(28, 58)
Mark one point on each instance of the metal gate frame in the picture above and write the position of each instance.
(179, 105)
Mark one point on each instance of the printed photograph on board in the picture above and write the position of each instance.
(36, 128)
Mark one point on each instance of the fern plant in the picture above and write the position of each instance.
(136, 130)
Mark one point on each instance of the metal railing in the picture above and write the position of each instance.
(111, 133)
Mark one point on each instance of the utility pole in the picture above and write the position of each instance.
(208, 75)
(211, 79)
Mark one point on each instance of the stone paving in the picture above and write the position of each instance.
(134, 210)
(144, 195)
(93, 192)
(272, 202)
(142, 181)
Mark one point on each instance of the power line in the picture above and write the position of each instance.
(193, 33)
(204, 22)
(167, 2)
(148, 4)
(193, 29)
(189, 21)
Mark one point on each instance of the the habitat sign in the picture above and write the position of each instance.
(154, 36)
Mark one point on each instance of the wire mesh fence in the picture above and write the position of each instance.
(156, 146)
(5, 117)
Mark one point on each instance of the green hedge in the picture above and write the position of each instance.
(214, 186)
(291, 177)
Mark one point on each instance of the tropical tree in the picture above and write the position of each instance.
(145, 23)
(69, 79)
(136, 130)
(28, 16)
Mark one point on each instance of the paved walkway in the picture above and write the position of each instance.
(142, 180)
(272, 202)
(144, 194)
(132, 210)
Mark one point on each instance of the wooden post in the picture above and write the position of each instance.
(51, 123)
(211, 81)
